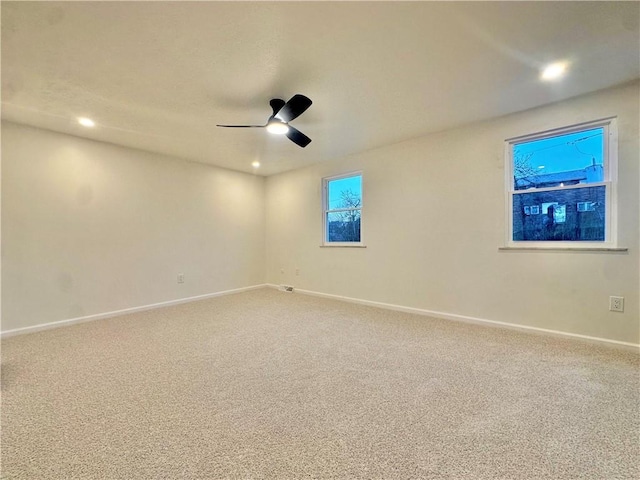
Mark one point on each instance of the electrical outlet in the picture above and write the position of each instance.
(297, 271)
(616, 304)
(181, 278)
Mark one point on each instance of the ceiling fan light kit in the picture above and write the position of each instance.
(283, 113)
(277, 127)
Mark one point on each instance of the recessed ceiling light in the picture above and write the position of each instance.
(86, 122)
(554, 71)
(255, 164)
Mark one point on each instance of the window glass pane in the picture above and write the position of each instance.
(344, 193)
(343, 226)
(563, 160)
(576, 214)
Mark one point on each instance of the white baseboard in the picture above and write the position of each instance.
(466, 319)
(388, 306)
(115, 313)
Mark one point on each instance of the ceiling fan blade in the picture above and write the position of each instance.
(276, 105)
(295, 107)
(241, 126)
(297, 137)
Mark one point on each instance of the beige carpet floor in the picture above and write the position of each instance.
(266, 384)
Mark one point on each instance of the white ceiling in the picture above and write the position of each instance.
(160, 75)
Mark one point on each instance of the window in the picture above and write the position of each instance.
(342, 209)
(561, 186)
(586, 206)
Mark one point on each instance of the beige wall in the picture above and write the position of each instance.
(90, 228)
(433, 220)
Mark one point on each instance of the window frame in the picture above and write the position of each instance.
(325, 209)
(610, 180)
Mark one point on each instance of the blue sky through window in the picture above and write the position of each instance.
(336, 187)
(562, 153)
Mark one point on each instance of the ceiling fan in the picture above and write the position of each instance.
(283, 113)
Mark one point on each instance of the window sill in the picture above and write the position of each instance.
(567, 249)
(343, 246)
